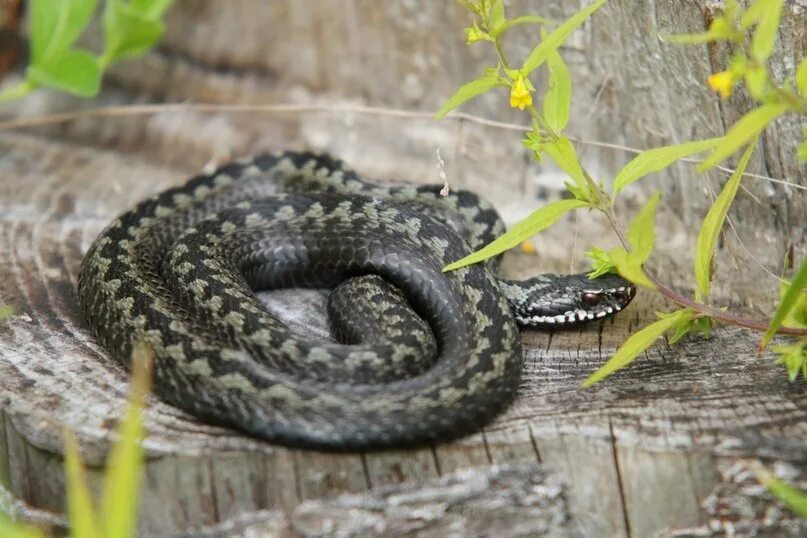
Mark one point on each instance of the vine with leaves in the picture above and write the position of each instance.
(753, 31)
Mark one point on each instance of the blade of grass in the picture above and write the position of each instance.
(79, 504)
(713, 223)
(124, 467)
(798, 286)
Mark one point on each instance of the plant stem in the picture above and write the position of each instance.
(500, 51)
(716, 313)
(702, 308)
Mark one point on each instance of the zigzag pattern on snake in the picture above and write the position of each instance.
(421, 355)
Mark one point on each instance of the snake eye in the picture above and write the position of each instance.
(591, 299)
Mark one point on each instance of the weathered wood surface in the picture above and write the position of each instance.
(644, 452)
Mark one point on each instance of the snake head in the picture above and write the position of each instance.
(549, 301)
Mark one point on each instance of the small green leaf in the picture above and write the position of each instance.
(538, 220)
(526, 19)
(765, 35)
(683, 328)
(6, 310)
(794, 359)
(79, 503)
(629, 266)
(127, 33)
(653, 160)
(794, 498)
(720, 28)
(713, 223)
(741, 132)
(752, 15)
(795, 292)
(55, 26)
(125, 464)
(151, 9)
(801, 77)
(642, 229)
(11, 529)
(73, 71)
(704, 325)
(562, 152)
(601, 262)
(639, 342)
(555, 39)
(756, 79)
(497, 13)
(468, 91)
(558, 97)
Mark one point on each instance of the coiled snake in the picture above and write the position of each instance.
(423, 355)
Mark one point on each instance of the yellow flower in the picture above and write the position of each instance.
(520, 93)
(722, 83)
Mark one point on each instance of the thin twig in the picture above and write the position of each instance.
(721, 315)
(283, 108)
(132, 110)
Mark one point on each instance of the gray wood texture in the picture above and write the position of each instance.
(664, 445)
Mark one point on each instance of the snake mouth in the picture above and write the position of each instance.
(573, 307)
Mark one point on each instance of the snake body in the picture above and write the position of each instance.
(422, 355)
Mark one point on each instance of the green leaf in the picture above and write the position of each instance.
(720, 28)
(150, 9)
(741, 132)
(538, 220)
(73, 71)
(6, 310)
(791, 298)
(641, 232)
(656, 159)
(12, 529)
(125, 464)
(55, 26)
(127, 33)
(555, 39)
(683, 328)
(713, 223)
(468, 91)
(639, 342)
(752, 15)
(526, 19)
(801, 77)
(765, 36)
(794, 498)
(563, 153)
(629, 266)
(756, 79)
(642, 236)
(497, 13)
(602, 262)
(79, 503)
(794, 359)
(558, 97)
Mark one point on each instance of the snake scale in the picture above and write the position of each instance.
(420, 355)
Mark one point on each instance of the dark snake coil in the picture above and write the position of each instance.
(423, 356)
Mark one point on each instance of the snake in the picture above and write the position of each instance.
(418, 355)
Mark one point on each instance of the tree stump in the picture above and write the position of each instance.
(664, 446)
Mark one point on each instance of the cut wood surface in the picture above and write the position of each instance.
(660, 446)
